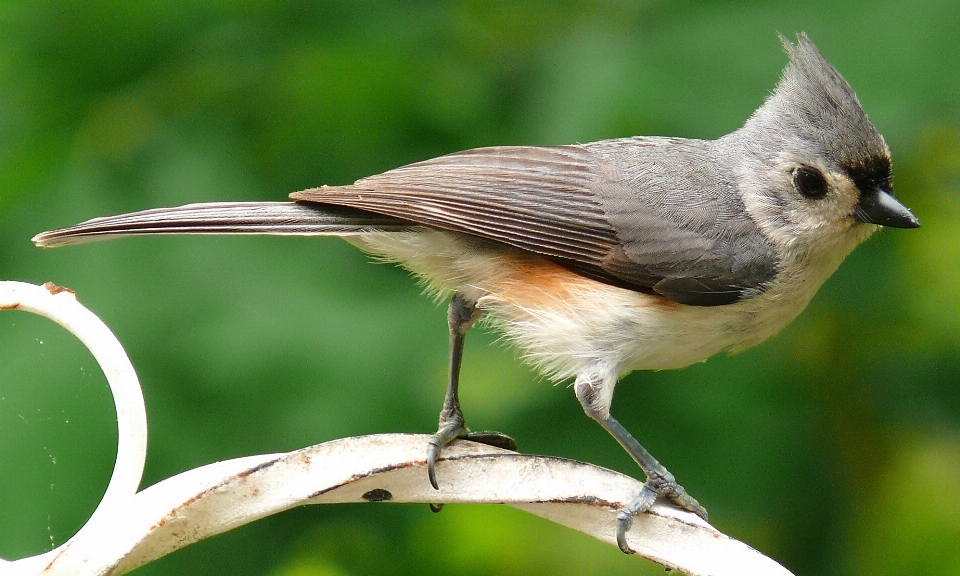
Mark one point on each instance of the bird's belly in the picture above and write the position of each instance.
(630, 330)
(563, 322)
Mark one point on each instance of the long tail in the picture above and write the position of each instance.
(283, 218)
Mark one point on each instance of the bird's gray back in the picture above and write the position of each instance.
(676, 207)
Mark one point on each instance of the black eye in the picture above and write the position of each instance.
(810, 182)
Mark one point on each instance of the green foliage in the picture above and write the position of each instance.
(833, 447)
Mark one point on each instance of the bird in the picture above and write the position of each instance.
(598, 259)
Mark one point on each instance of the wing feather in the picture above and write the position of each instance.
(584, 208)
(536, 199)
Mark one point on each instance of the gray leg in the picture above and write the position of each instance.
(660, 482)
(461, 315)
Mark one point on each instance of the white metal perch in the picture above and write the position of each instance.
(130, 528)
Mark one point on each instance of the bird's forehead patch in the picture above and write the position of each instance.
(870, 173)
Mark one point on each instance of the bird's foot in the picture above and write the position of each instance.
(654, 488)
(455, 431)
(447, 434)
(449, 431)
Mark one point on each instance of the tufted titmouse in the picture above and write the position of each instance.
(602, 258)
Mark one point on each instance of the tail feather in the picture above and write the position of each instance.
(281, 218)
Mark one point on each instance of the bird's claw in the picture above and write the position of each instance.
(437, 442)
(447, 434)
(652, 490)
(491, 438)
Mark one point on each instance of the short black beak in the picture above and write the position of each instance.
(879, 207)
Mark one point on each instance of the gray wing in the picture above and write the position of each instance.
(580, 206)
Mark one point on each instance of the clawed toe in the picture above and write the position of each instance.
(495, 439)
(447, 435)
(649, 493)
(444, 436)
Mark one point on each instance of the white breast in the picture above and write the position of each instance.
(564, 323)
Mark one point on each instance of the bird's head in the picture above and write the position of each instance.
(817, 174)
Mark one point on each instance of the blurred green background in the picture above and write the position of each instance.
(834, 447)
